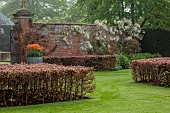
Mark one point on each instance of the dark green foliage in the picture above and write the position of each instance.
(123, 61)
(142, 56)
(156, 41)
(150, 13)
(45, 10)
(99, 62)
(23, 84)
(154, 70)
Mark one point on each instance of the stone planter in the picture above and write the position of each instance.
(34, 60)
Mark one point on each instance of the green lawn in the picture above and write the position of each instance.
(115, 93)
(5, 63)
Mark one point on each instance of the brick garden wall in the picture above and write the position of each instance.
(52, 36)
(57, 39)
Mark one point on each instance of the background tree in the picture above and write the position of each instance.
(150, 13)
(45, 10)
(75, 15)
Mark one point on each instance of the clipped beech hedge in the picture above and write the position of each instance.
(99, 62)
(23, 84)
(155, 71)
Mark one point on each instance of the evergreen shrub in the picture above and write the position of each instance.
(156, 41)
(123, 61)
(143, 56)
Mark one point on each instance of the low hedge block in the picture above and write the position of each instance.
(99, 62)
(23, 84)
(154, 70)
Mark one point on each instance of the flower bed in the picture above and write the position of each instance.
(155, 71)
(23, 84)
(99, 62)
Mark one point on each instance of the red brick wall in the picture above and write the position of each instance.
(51, 37)
(22, 27)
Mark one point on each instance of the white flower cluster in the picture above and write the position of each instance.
(85, 42)
(123, 29)
(85, 36)
(67, 42)
(101, 36)
(101, 24)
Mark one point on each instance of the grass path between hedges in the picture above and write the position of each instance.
(116, 92)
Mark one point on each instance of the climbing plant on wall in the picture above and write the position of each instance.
(123, 33)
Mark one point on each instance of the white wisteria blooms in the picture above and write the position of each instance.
(97, 22)
(127, 32)
(97, 38)
(116, 39)
(122, 30)
(85, 43)
(65, 39)
(109, 46)
(87, 35)
(88, 45)
(128, 38)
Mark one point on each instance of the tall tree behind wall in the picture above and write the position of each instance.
(150, 13)
(75, 15)
(45, 10)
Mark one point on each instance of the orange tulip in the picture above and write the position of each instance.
(35, 47)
